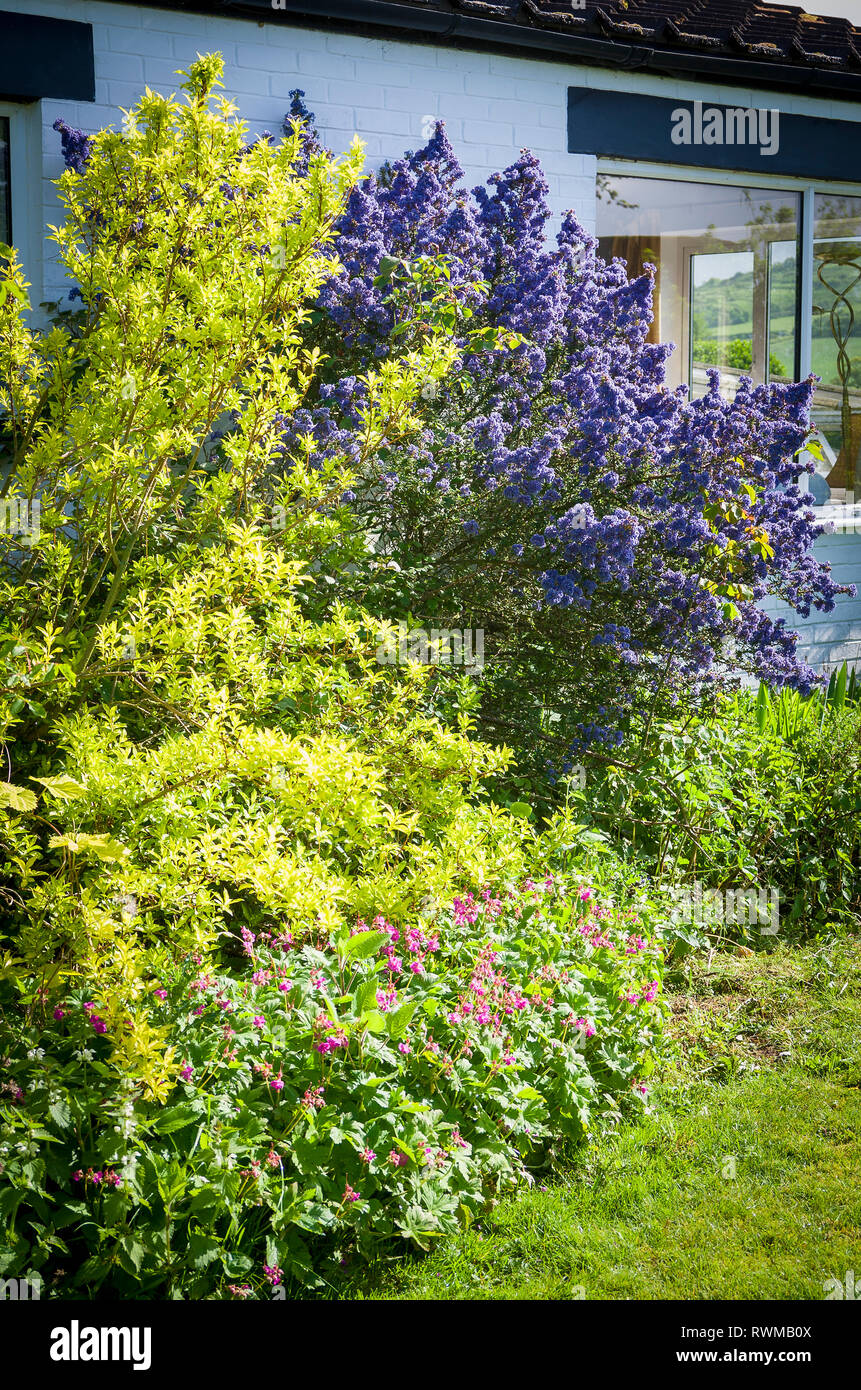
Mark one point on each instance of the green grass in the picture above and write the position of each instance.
(741, 1183)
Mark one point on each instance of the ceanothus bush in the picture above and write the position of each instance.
(613, 537)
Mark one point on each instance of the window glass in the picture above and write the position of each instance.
(836, 347)
(726, 290)
(5, 190)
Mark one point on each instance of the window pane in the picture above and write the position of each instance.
(5, 190)
(727, 272)
(837, 346)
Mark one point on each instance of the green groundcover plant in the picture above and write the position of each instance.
(761, 793)
(337, 1094)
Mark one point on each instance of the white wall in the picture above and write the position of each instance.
(492, 105)
(376, 88)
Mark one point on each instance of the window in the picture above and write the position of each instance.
(836, 347)
(5, 183)
(727, 257)
(21, 214)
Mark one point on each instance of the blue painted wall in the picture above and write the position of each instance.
(831, 638)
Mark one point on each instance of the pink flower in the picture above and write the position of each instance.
(273, 1159)
(258, 1021)
(274, 1274)
(97, 1178)
(89, 1008)
(240, 1290)
(403, 1047)
(386, 999)
(397, 1159)
(77, 1175)
(367, 1155)
(59, 1013)
(285, 985)
(587, 1027)
(350, 1194)
(276, 1083)
(585, 895)
(187, 1072)
(457, 1139)
(160, 993)
(318, 980)
(99, 1025)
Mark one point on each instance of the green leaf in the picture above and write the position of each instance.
(528, 1093)
(102, 846)
(177, 1118)
(130, 1253)
(363, 944)
(17, 798)
(366, 996)
(399, 1020)
(203, 1249)
(60, 1113)
(63, 787)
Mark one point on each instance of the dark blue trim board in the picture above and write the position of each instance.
(712, 135)
(44, 57)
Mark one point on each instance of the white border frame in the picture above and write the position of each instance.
(25, 176)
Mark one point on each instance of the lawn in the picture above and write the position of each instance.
(741, 1182)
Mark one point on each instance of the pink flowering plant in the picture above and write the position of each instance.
(337, 1094)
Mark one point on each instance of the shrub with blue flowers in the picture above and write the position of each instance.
(614, 537)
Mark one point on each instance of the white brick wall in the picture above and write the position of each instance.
(493, 105)
(378, 88)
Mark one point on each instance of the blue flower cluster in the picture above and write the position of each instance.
(653, 510)
(75, 146)
(560, 465)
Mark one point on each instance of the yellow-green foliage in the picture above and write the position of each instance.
(187, 748)
(252, 769)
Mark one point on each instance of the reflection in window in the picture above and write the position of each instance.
(726, 290)
(5, 189)
(836, 346)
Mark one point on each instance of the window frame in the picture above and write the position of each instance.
(808, 188)
(25, 178)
